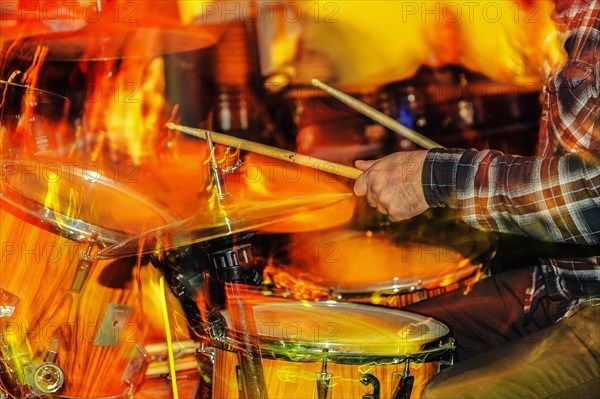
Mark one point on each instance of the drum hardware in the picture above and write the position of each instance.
(205, 357)
(171, 264)
(137, 366)
(404, 387)
(230, 261)
(45, 379)
(370, 379)
(8, 303)
(324, 378)
(113, 324)
(36, 379)
(217, 173)
(84, 264)
(8, 370)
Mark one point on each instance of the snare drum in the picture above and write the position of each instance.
(372, 267)
(342, 350)
(71, 326)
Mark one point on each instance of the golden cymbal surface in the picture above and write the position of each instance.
(108, 41)
(226, 217)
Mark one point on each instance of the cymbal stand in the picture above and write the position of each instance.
(231, 263)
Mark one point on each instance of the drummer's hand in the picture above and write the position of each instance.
(393, 184)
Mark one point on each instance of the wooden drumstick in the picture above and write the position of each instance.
(273, 152)
(377, 116)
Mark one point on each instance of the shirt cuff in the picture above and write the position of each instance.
(439, 177)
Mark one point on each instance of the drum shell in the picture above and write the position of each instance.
(39, 267)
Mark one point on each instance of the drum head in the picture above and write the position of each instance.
(355, 263)
(343, 332)
(79, 202)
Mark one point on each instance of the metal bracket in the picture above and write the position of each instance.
(8, 303)
(84, 265)
(405, 383)
(370, 379)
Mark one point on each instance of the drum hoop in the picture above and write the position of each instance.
(438, 348)
(404, 285)
(76, 229)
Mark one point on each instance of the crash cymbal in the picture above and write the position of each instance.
(228, 217)
(107, 41)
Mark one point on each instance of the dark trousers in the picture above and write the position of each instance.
(500, 356)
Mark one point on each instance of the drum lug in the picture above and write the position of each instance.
(404, 387)
(370, 379)
(323, 384)
(84, 265)
(323, 378)
(136, 368)
(8, 303)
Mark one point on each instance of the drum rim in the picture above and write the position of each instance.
(76, 229)
(438, 348)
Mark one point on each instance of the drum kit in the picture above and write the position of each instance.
(75, 243)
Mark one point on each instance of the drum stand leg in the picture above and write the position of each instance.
(405, 384)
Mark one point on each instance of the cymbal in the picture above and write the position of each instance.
(227, 217)
(78, 202)
(104, 41)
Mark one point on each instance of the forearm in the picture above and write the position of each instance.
(554, 199)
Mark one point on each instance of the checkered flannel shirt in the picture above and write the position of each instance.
(555, 195)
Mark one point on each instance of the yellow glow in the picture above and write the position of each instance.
(370, 43)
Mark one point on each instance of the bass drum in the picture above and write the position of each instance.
(460, 108)
(336, 350)
(71, 326)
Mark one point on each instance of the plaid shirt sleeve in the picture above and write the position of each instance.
(553, 199)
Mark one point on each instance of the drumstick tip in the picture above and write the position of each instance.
(316, 82)
(171, 125)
